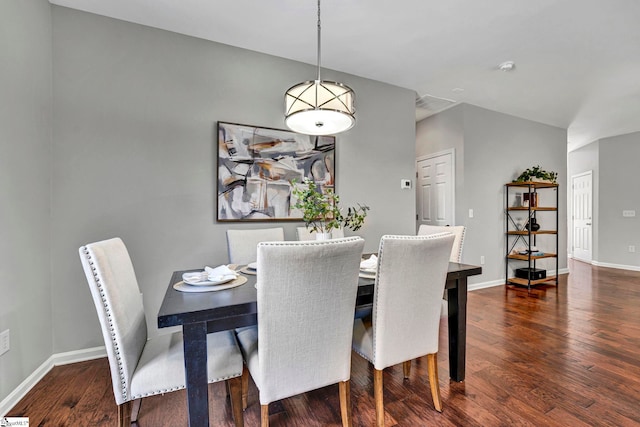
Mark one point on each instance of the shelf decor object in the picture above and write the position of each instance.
(536, 174)
(518, 234)
(319, 107)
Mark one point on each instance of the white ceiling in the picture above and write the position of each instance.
(577, 61)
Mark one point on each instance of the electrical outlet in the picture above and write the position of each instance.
(632, 248)
(482, 260)
(5, 344)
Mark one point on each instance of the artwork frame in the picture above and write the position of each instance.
(257, 166)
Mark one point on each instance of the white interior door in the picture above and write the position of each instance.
(435, 189)
(582, 216)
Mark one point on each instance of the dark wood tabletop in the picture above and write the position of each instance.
(179, 308)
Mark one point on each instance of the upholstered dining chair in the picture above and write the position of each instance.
(242, 244)
(305, 234)
(457, 230)
(142, 366)
(456, 251)
(306, 300)
(411, 275)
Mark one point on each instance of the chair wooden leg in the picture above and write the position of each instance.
(345, 403)
(124, 414)
(135, 410)
(264, 415)
(377, 394)
(432, 367)
(406, 368)
(245, 386)
(235, 388)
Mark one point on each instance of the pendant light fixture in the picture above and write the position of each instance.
(318, 107)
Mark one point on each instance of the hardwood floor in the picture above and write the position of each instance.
(552, 357)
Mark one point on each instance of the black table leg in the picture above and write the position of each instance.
(195, 364)
(457, 306)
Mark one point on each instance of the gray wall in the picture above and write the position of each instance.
(496, 148)
(441, 132)
(618, 191)
(25, 136)
(585, 159)
(614, 164)
(133, 152)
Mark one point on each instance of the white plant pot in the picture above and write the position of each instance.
(323, 236)
(540, 180)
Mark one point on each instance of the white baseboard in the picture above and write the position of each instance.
(608, 264)
(484, 285)
(55, 360)
(618, 266)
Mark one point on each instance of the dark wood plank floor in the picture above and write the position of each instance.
(552, 357)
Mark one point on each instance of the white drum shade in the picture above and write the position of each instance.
(319, 108)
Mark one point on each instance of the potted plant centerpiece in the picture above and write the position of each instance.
(321, 211)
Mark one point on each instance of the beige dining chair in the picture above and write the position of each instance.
(457, 230)
(411, 275)
(456, 251)
(305, 234)
(306, 301)
(142, 366)
(242, 244)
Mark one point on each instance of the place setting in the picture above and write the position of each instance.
(251, 269)
(368, 267)
(211, 279)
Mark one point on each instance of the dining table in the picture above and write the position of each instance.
(202, 313)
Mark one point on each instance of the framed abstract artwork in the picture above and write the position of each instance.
(256, 168)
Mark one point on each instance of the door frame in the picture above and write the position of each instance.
(451, 151)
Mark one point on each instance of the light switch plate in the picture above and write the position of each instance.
(629, 213)
(405, 184)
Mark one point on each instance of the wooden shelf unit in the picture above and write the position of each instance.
(525, 282)
(526, 233)
(537, 208)
(533, 257)
(514, 234)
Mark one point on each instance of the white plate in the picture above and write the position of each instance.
(183, 287)
(252, 266)
(367, 275)
(208, 282)
(368, 270)
(247, 270)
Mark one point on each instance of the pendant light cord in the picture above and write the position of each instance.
(318, 40)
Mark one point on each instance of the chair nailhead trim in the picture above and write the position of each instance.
(114, 341)
(312, 242)
(183, 386)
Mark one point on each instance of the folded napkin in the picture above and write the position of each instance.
(220, 273)
(370, 264)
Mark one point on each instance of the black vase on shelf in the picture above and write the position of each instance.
(533, 224)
